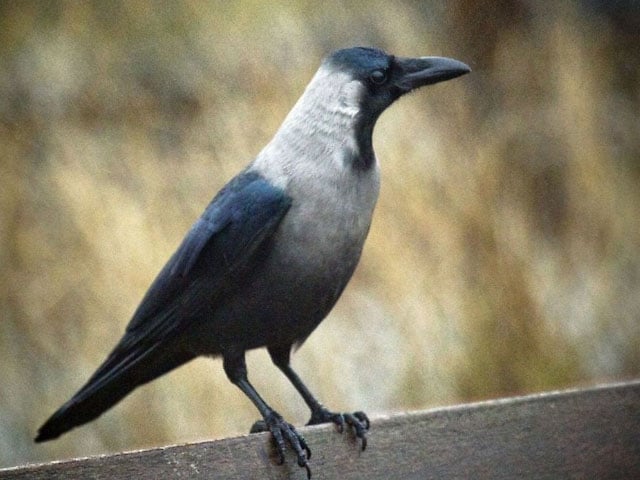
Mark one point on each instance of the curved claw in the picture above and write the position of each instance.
(363, 418)
(360, 423)
(357, 420)
(259, 426)
(283, 433)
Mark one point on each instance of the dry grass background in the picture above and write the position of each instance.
(504, 254)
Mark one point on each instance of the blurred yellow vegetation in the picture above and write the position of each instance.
(504, 254)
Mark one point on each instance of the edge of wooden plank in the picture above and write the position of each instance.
(552, 432)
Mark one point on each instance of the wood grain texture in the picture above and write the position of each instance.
(591, 434)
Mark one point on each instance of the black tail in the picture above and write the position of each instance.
(126, 368)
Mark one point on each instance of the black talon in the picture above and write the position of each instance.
(306, 448)
(283, 433)
(360, 424)
(259, 426)
(363, 418)
(358, 421)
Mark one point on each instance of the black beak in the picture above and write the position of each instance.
(418, 72)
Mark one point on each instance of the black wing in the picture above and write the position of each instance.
(243, 215)
(224, 239)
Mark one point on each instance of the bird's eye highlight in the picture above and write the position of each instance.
(378, 77)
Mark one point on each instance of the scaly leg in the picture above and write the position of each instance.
(282, 431)
(319, 414)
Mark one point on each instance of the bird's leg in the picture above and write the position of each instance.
(319, 414)
(282, 431)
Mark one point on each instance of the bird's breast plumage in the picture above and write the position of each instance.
(325, 232)
(311, 256)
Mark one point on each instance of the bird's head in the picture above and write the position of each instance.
(343, 101)
(371, 80)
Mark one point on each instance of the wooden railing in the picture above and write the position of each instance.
(579, 434)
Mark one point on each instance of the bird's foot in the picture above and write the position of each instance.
(283, 433)
(357, 420)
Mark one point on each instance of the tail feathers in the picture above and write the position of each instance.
(120, 374)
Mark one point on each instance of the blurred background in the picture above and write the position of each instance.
(504, 257)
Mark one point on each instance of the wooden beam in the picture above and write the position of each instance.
(589, 433)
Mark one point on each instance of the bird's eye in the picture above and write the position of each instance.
(378, 77)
